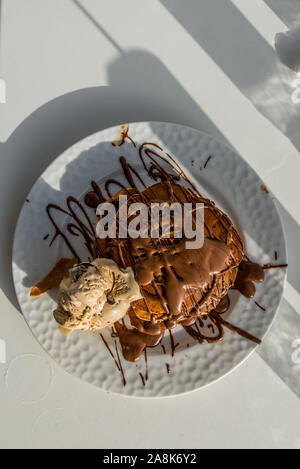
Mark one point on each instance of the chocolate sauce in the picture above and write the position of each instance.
(189, 321)
(110, 352)
(265, 189)
(198, 333)
(165, 270)
(95, 197)
(146, 364)
(207, 161)
(92, 200)
(76, 227)
(120, 364)
(172, 343)
(189, 267)
(220, 321)
(134, 342)
(259, 306)
(278, 266)
(223, 306)
(248, 273)
(143, 379)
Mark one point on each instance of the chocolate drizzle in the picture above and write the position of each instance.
(120, 363)
(172, 343)
(196, 330)
(143, 379)
(259, 306)
(217, 322)
(110, 352)
(76, 227)
(146, 364)
(271, 267)
(95, 197)
(207, 161)
(179, 286)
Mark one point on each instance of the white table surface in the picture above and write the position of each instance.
(70, 71)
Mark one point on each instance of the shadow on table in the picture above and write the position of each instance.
(244, 56)
(287, 10)
(279, 347)
(141, 89)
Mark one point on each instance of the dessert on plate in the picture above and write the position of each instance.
(143, 286)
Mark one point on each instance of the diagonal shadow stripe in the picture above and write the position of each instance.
(1, 23)
(292, 233)
(277, 348)
(287, 10)
(244, 56)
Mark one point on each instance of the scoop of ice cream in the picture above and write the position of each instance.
(95, 295)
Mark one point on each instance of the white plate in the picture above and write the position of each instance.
(229, 181)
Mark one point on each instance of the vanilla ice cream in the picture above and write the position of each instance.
(95, 295)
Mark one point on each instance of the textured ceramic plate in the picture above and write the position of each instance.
(229, 181)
